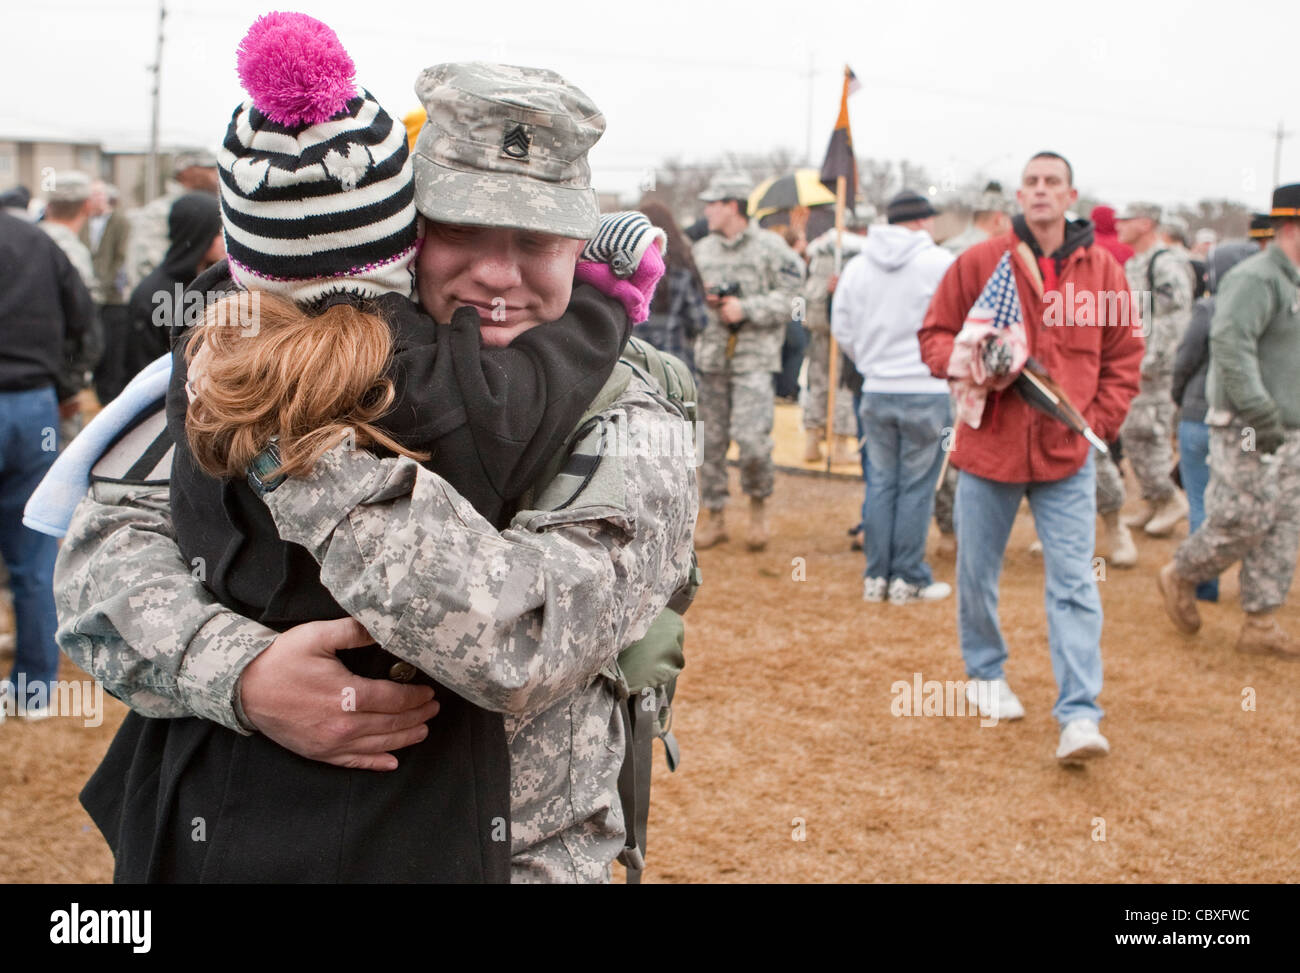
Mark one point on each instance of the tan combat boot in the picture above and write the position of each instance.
(1139, 518)
(712, 532)
(1121, 552)
(846, 451)
(1180, 600)
(946, 546)
(1262, 635)
(757, 536)
(812, 447)
(1167, 514)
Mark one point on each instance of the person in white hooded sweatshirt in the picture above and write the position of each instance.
(879, 305)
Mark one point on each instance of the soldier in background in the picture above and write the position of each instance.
(1252, 504)
(149, 239)
(106, 234)
(991, 217)
(68, 207)
(818, 293)
(1261, 230)
(1164, 279)
(751, 279)
(70, 204)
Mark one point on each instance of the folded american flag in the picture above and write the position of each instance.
(991, 347)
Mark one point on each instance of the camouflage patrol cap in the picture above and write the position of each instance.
(69, 186)
(193, 158)
(728, 185)
(993, 200)
(1137, 211)
(506, 147)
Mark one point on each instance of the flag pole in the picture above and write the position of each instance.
(832, 376)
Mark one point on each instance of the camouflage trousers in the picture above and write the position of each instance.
(1147, 435)
(735, 406)
(1110, 485)
(943, 500)
(817, 375)
(1252, 515)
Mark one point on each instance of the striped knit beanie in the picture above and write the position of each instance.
(317, 194)
(621, 241)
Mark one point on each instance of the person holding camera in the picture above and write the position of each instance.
(752, 283)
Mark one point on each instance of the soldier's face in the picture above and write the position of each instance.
(515, 279)
(1045, 192)
(719, 214)
(1129, 231)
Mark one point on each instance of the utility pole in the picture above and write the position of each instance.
(151, 160)
(1277, 152)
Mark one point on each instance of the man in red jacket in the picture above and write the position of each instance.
(1076, 308)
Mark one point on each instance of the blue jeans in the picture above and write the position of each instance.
(1065, 514)
(29, 424)
(1194, 467)
(904, 436)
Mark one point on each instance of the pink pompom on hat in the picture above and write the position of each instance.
(317, 193)
(295, 69)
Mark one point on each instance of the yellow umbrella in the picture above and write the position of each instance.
(803, 187)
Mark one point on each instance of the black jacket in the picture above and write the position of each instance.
(192, 224)
(1192, 363)
(47, 318)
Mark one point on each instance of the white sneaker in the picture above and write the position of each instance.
(994, 699)
(902, 593)
(1080, 741)
(874, 589)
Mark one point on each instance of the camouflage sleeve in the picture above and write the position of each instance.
(134, 615)
(816, 293)
(783, 274)
(517, 619)
(1171, 303)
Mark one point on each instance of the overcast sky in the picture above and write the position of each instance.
(1163, 102)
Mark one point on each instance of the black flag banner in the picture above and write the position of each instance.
(840, 160)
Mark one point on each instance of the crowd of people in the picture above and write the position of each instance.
(390, 487)
(1156, 361)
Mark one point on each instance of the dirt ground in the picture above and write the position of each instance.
(794, 769)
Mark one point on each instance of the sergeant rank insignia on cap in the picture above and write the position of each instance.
(516, 141)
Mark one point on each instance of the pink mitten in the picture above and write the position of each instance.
(635, 292)
(624, 260)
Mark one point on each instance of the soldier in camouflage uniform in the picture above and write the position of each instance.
(527, 621)
(817, 291)
(149, 238)
(1163, 280)
(67, 210)
(1252, 504)
(752, 280)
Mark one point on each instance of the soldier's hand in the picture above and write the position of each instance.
(300, 695)
(1269, 437)
(712, 299)
(731, 312)
(831, 282)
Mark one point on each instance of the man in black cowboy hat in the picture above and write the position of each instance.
(1253, 500)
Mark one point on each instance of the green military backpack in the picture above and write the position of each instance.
(646, 671)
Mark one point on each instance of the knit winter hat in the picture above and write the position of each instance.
(908, 206)
(317, 194)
